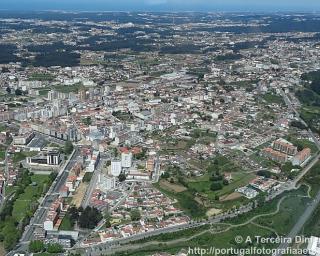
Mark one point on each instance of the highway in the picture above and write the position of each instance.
(289, 104)
(311, 208)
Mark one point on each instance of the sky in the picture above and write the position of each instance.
(162, 5)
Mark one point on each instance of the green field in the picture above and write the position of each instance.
(68, 88)
(203, 186)
(313, 178)
(200, 195)
(24, 202)
(44, 91)
(311, 115)
(10, 189)
(61, 88)
(66, 224)
(273, 98)
(2, 128)
(186, 202)
(290, 211)
(19, 156)
(312, 227)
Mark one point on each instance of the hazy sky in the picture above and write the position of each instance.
(163, 5)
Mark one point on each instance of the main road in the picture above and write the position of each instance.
(311, 208)
(51, 196)
(94, 180)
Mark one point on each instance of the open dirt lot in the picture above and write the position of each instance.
(213, 211)
(230, 197)
(77, 198)
(172, 187)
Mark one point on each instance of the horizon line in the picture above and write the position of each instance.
(160, 11)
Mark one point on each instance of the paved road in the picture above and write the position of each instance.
(93, 182)
(112, 246)
(6, 173)
(311, 208)
(156, 174)
(108, 247)
(289, 104)
(103, 221)
(41, 212)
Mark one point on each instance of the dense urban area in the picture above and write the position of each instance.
(150, 133)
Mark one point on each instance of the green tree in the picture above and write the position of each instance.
(165, 175)
(87, 120)
(68, 147)
(135, 215)
(122, 177)
(141, 155)
(107, 218)
(18, 92)
(11, 235)
(216, 186)
(54, 248)
(36, 246)
(90, 217)
(73, 214)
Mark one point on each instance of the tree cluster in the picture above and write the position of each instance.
(37, 246)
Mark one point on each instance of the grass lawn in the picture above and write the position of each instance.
(20, 209)
(31, 193)
(66, 224)
(310, 114)
(2, 128)
(312, 227)
(313, 178)
(68, 88)
(198, 198)
(177, 145)
(290, 211)
(186, 202)
(43, 92)
(273, 98)
(19, 156)
(10, 189)
(203, 184)
(2, 155)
